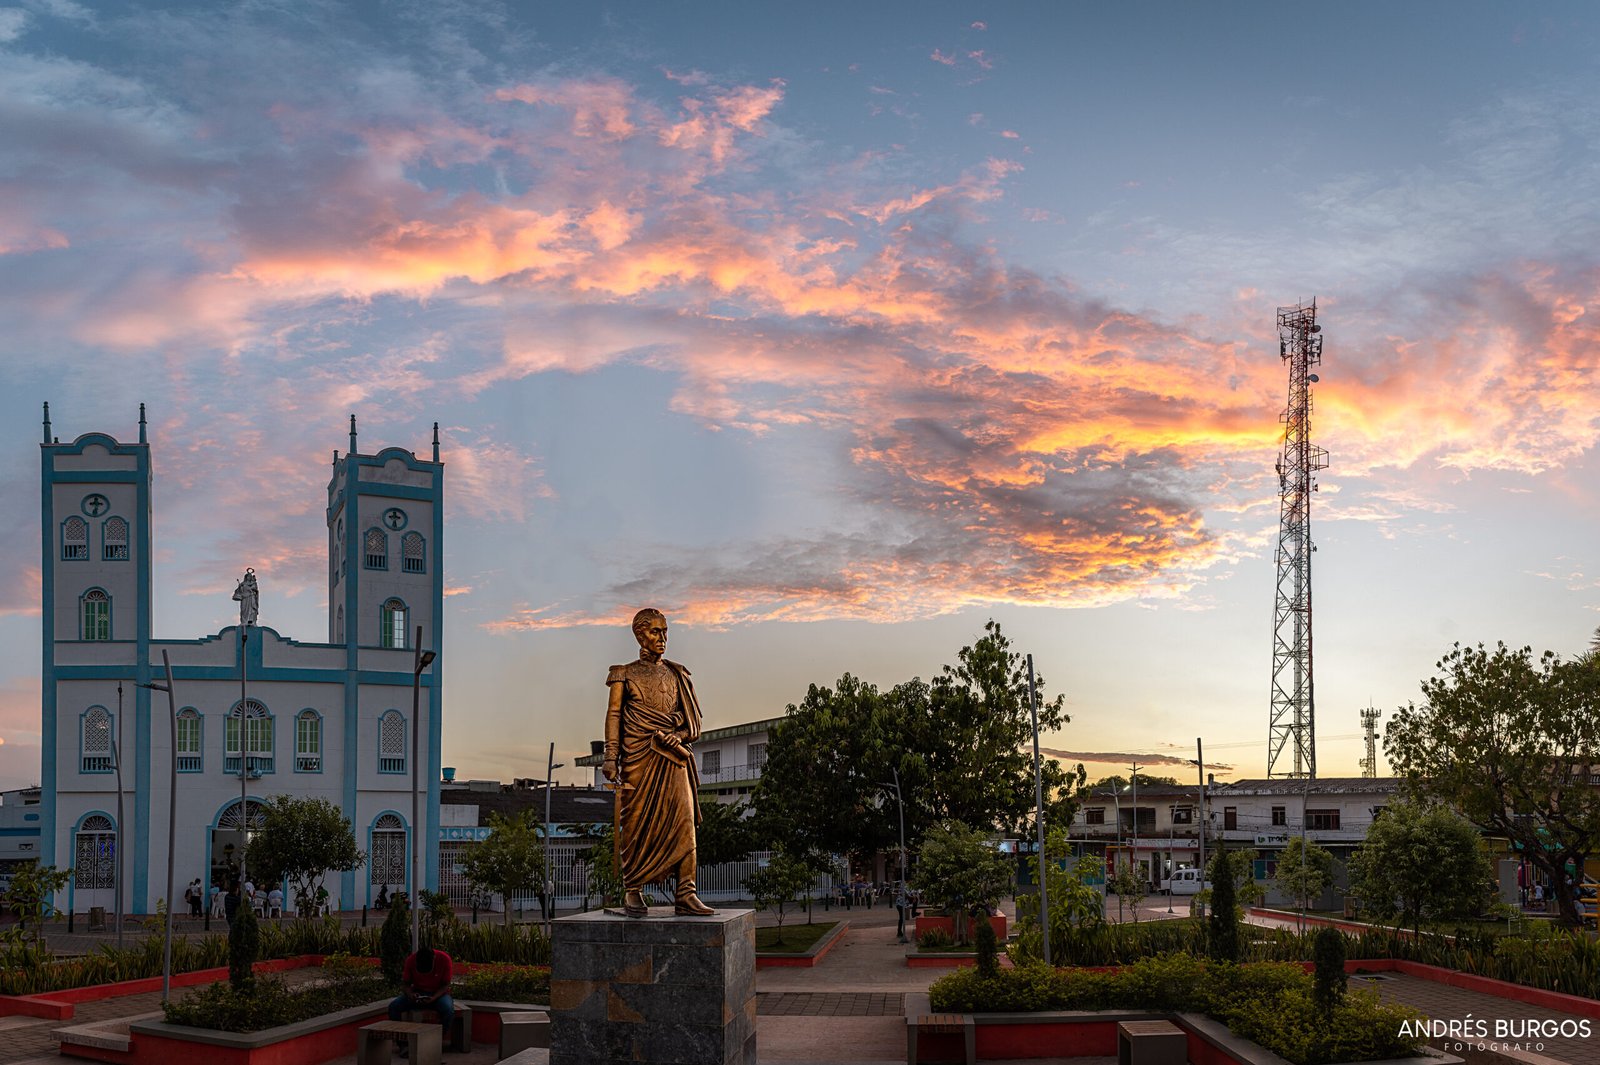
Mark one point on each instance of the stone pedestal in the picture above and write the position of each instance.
(661, 989)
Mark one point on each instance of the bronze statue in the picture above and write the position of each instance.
(651, 719)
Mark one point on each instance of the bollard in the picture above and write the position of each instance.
(69, 921)
(363, 915)
(474, 911)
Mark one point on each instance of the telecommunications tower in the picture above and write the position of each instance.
(1369, 726)
(1291, 731)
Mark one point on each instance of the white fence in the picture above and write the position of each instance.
(714, 883)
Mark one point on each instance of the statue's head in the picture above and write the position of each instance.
(650, 629)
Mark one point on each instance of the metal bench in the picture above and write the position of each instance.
(460, 1025)
(943, 1024)
(423, 1041)
(522, 1030)
(1151, 1043)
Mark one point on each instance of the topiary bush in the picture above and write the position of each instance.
(988, 960)
(1329, 979)
(244, 946)
(1222, 929)
(394, 941)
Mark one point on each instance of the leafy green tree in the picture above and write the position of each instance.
(1422, 863)
(958, 869)
(1146, 780)
(1304, 880)
(961, 746)
(1129, 887)
(510, 860)
(724, 833)
(301, 841)
(1510, 741)
(603, 883)
(33, 887)
(778, 883)
(1074, 900)
(1330, 981)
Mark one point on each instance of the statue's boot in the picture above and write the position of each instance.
(633, 904)
(687, 903)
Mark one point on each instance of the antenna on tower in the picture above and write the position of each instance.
(1291, 728)
(1369, 726)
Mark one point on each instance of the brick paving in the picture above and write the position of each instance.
(1444, 1003)
(829, 1004)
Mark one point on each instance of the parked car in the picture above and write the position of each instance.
(1185, 882)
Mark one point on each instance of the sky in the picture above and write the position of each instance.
(833, 330)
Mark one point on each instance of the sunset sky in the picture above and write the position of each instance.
(833, 330)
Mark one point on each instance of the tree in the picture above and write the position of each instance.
(961, 747)
(1129, 888)
(777, 883)
(1304, 877)
(959, 869)
(1328, 952)
(1421, 862)
(394, 940)
(1510, 742)
(301, 841)
(1074, 900)
(33, 886)
(510, 860)
(1146, 780)
(244, 946)
(603, 882)
(724, 833)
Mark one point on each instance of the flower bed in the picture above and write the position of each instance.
(804, 959)
(929, 922)
(1269, 1004)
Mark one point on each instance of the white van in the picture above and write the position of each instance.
(1185, 882)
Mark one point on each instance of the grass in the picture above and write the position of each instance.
(797, 938)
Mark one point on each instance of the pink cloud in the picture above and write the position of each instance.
(940, 57)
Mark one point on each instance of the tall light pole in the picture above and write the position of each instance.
(116, 760)
(423, 660)
(551, 765)
(900, 803)
(1135, 771)
(1038, 810)
(248, 596)
(172, 820)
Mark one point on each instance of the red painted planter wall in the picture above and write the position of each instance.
(947, 925)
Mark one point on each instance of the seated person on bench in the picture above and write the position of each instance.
(425, 985)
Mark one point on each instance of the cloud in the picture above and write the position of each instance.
(1127, 758)
(940, 57)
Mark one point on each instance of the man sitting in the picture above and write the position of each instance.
(425, 984)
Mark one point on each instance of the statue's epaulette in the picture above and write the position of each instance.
(618, 674)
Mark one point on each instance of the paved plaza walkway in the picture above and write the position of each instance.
(848, 1010)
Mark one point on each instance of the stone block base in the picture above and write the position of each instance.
(662, 989)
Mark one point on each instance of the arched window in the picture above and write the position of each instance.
(114, 539)
(392, 624)
(308, 742)
(392, 742)
(377, 549)
(96, 615)
(190, 758)
(74, 539)
(94, 863)
(257, 738)
(95, 741)
(413, 553)
(387, 856)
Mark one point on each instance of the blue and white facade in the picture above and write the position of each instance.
(328, 718)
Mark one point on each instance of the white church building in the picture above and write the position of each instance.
(328, 718)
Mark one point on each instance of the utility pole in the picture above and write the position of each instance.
(172, 821)
(1135, 771)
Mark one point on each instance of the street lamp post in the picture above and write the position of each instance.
(901, 805)
(551, 765)
(422, 661)
(172, 819)
(1135, 771)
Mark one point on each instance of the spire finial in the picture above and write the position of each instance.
(436, 441)
(352, 434)
(142, 439)
(47, 421)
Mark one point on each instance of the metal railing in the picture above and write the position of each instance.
(728, 773)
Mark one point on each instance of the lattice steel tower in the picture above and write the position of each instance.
(1369, 726)
(1291, 732)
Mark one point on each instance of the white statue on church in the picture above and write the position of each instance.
(248, 596)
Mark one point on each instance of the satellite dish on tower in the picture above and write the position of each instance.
(1313, 378)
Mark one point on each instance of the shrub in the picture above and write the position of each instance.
(1330, 980)
(934, 939)
(505, 983)
(268, 1003)
(988, 963)
(244, 945)
(1222, 933)
(394, 942)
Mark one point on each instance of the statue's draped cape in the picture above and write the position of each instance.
(657, 805)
